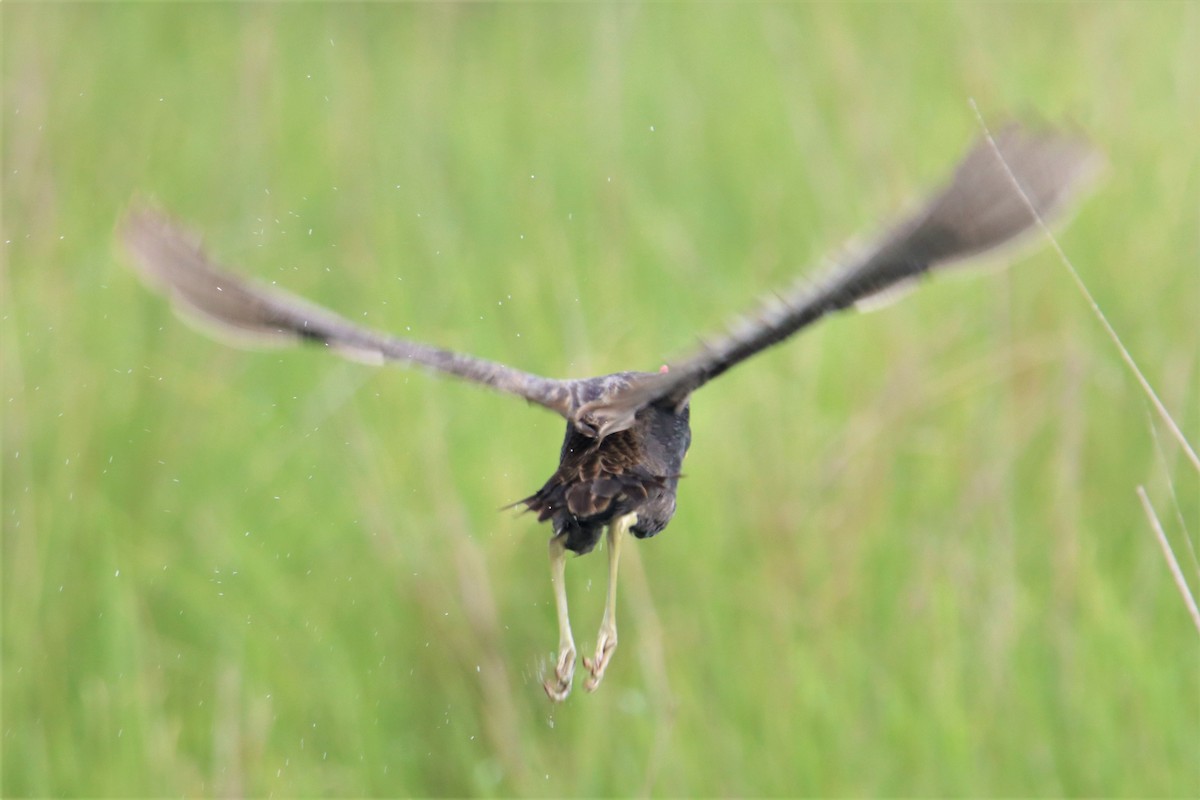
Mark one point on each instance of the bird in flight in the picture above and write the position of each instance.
(627, 433)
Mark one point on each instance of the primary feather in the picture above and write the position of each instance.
(172, 261)
(981, 209)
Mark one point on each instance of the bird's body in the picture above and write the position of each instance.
(627, 433)
(633, 471)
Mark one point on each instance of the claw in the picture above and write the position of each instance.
(558, 687)
(606, 645)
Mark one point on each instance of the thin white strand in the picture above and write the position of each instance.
(1162, 460)
(1169, 554)
(1112, 334)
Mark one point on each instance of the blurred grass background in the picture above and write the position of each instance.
(908, 560)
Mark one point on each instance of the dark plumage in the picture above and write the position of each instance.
(627, 433)
(598, 480)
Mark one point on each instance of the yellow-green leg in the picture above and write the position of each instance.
(559, 686)
(606, 642)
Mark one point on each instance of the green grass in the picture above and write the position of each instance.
(908, 560)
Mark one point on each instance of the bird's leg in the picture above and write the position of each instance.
(559, 686)
(606, 642)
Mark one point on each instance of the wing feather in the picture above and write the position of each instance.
(172, 262)
(977, 211)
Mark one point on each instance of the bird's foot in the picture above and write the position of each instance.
(559, 686)
(606, 644)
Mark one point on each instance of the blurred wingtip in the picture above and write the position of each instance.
(1061, 148)
(169, 259)
(151, 240)
(141, 214)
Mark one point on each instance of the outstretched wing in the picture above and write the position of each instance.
(979, 210)
(172, 262)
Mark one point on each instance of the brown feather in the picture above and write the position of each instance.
(171, 261)
(979, 210)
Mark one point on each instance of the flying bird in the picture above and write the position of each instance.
(627, 433)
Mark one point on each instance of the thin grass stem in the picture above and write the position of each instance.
(1169, 554)
(1112, 334)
